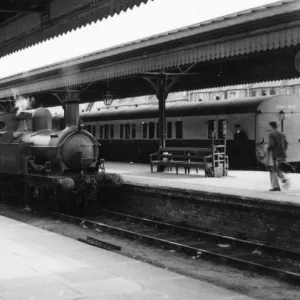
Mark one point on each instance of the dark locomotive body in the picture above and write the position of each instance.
(131, 133)
(43, 165)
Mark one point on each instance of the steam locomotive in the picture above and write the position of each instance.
(50, 167)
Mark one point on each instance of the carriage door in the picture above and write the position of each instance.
(291, 122)
(262, 127)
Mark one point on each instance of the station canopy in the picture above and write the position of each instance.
(24, 23)
(259, 44)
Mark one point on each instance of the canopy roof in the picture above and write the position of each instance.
(24, 23)
(259, 44)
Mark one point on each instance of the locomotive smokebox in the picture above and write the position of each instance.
(41, 119)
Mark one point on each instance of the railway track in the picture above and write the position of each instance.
(197, 243)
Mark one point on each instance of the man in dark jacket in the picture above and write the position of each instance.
(277, 151)
(240, 151)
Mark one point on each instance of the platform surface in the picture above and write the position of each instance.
(253, 184)
(41, 265)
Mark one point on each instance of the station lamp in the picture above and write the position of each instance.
(107, 97)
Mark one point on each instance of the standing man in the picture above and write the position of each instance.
(240, 135)
(240, 148)
(277, 151)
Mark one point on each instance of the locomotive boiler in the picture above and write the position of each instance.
(53, 167)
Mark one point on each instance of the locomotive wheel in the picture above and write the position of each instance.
(70, 203)
(28, 195)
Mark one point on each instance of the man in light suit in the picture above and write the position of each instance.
(277, 150)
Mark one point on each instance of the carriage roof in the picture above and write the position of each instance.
(221, 107)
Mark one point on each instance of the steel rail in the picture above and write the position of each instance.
(186, 249)
(199, 231)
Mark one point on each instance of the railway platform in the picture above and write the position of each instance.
(246, 184)
(38, 265)
(239, 205)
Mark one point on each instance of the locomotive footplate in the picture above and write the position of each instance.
(71, 189)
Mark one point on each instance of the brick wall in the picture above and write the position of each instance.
(265, 221)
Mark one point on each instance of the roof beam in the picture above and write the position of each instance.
(19, 10)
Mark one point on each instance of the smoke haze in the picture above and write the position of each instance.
(22, 103)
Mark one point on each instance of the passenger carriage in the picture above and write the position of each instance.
(130, 133)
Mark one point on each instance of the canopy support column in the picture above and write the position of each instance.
(161, 85)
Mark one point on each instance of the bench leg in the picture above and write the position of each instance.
(176, 170)
(151, 168)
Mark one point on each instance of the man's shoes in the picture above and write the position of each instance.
(275, 190)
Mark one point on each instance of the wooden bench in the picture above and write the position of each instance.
(212, 158)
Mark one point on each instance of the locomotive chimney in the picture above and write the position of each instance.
(71, 100)
(71, 113)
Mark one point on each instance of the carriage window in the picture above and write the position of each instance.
(178, 130)
(289, 91)
(106, 131)
(157, 130)
(253, 93)
(145, 130)
(88, 128)
(151, 130)
(127, 131)
(232, 95)
(210, 128)
(112, 131)
(133, 131)
(272, 92)
(169, 130)
(121, 131)
(221, 124)
(101, 131)
(94, 130)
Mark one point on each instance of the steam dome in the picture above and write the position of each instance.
(41, 119)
